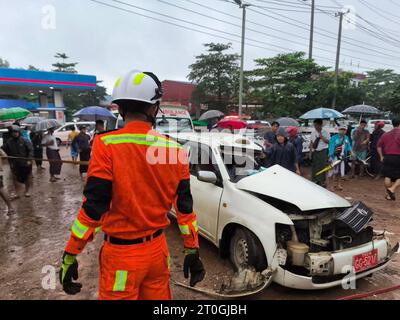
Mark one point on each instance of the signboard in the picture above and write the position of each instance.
(60, 116)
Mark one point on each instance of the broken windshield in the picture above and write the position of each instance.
(241, 163)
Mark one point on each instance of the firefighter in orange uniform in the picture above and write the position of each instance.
(130, 188)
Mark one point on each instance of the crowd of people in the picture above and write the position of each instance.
(342, 153)
(23, 146)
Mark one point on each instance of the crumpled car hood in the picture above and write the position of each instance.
(280, 183)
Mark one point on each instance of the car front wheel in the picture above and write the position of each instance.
(58, 141)
(246, 250)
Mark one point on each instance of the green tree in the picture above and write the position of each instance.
(76, 101)
(215, 74)
(32, 68)
(4, 63)
(348, 93)
(284, 83)
(382, 89)
(64, 66)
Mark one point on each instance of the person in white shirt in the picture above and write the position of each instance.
(3, 192)
(319, 145)
(52, 152)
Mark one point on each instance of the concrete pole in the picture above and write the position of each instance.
(310, 49)
(340, 14)
(242, 59)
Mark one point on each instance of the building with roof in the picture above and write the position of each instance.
(178, 93)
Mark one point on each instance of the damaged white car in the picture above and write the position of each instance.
(274, 219)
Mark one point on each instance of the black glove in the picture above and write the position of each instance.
(193, 263)
(69, 271)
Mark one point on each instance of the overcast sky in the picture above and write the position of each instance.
(108, 42)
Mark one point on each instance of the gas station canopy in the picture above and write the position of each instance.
(16, 81)
(46, 85)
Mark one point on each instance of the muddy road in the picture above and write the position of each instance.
(33, 240)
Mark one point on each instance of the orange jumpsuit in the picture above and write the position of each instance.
(135, 177)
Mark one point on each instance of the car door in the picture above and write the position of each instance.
(206, 196)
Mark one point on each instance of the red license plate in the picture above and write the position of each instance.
(365, 261)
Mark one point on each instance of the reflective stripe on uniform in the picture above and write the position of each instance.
(194, 223)
(79, 230)
(141, 139)
(184, 229)
(169, 262)
(120, 280)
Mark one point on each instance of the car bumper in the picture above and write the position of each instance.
(341, 261)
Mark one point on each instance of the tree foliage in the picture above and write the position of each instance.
(285, 83)
(382, 89)
(4, 63)
(64, 66)
(216, 75)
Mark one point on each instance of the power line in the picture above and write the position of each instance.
(257, 31)
(376, 10)
(352, 42)
(297, 36)
(208, 33)
(384, 38)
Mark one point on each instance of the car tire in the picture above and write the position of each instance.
(246, 250)
(58, 141)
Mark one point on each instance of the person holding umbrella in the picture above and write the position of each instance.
(339, 149)
(18, 146)
(319, 145)
(53, 154)
(36, 139)
(376, 165)
(82, 143)
(360, 139)
(99, 129)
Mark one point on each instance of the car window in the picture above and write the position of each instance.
(201, 158)
(240, 164)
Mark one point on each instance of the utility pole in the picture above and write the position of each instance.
(339, 14)
(243, 6)
(310, 49)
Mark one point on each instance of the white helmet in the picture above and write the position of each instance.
(138, 86)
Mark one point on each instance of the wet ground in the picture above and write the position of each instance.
(33, 240)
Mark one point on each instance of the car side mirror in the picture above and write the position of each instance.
(207, 176)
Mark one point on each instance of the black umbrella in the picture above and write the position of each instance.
(211, 114)
(362, 109)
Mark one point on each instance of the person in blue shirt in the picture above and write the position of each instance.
(339, 149)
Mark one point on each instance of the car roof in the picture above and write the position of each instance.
(217, 139)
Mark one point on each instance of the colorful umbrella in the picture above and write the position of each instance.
(13, 114)
(94, 113)
(199, 123)
(232, 124)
